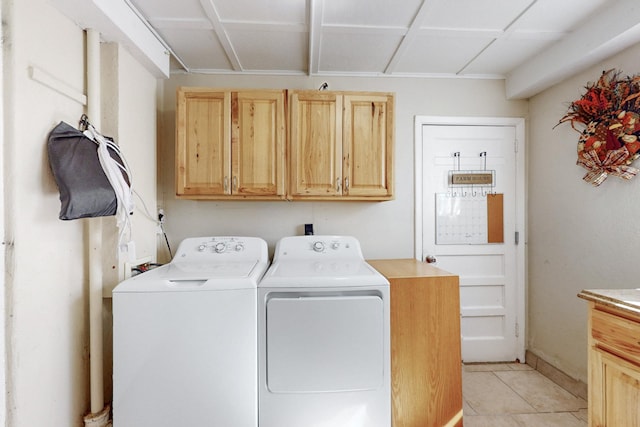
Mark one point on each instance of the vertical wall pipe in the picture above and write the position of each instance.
(95, 237)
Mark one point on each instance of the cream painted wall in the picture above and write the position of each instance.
(129, 98)
(46, 277)
(45, 289)
(580, 237)
(128, 111)
(385, 229)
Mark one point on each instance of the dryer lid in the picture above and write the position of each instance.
(326, 273)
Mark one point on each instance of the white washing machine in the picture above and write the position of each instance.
(323, 337)
(185, 338)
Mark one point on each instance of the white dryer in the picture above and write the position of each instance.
(185, 338)
(323, 337)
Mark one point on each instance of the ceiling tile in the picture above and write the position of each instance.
(271, 50)
(364, 53)
(198, 49)
(165, 9)
(370, 12)
(554, 15)
(505, 54)
(283, 11)
(440, 54)
(474, 14)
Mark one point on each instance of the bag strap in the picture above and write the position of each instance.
(119, 176)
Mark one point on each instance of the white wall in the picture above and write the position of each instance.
(46, 278)
(129, 98)
(385, 229)
(129, 116)
(580, 237)
(47, 335)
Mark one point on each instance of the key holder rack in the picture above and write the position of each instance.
(471, 182)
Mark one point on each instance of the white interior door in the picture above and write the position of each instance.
(476, 235)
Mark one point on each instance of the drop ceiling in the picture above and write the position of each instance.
(532, 44)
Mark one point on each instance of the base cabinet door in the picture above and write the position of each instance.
(614, 368)
(622, 392)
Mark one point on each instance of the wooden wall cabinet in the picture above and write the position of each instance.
(614, 367)
(426, 363)
(230, 144)
(341, 145)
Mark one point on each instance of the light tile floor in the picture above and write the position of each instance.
(516, 395)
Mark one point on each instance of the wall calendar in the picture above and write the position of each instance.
(468, 220)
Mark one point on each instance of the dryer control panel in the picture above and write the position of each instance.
(229, 247)
(314, 247)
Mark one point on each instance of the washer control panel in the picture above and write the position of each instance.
(209, 248)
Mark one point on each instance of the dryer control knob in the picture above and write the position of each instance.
(318, 246)
(335, 245)
(239, 247)
(220, 247)
(201, 248)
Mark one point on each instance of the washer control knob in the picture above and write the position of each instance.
(335, 245)
(318, 246)
(220, 247)
(201, 248)
(239, 247)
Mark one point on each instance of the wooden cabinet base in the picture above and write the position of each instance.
(614, 367)
(426, 365)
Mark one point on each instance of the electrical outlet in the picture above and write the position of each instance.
(129, 266)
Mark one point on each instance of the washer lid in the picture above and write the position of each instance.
(326, 273)
(197, 276)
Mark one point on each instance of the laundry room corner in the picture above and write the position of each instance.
(45, 289)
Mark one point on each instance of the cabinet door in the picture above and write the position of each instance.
(368, 145)
(258, 143)
(620, 392)
(203, 155)
(316, 144)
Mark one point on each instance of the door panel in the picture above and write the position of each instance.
(316, 144)
(203, 157)
(258, 142)
(488, 271)
(368, 124)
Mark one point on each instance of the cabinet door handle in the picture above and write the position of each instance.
(226, 184)
(234, 183)
(346, 184)
(338, 185)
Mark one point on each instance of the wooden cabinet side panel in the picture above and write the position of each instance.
(426, 365)
(203, 157)
(368, 145)
(258, 142)
(595, 380)
(315, 152)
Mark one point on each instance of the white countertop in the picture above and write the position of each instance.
(624, 299)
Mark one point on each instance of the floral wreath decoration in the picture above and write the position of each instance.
(609, 111)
